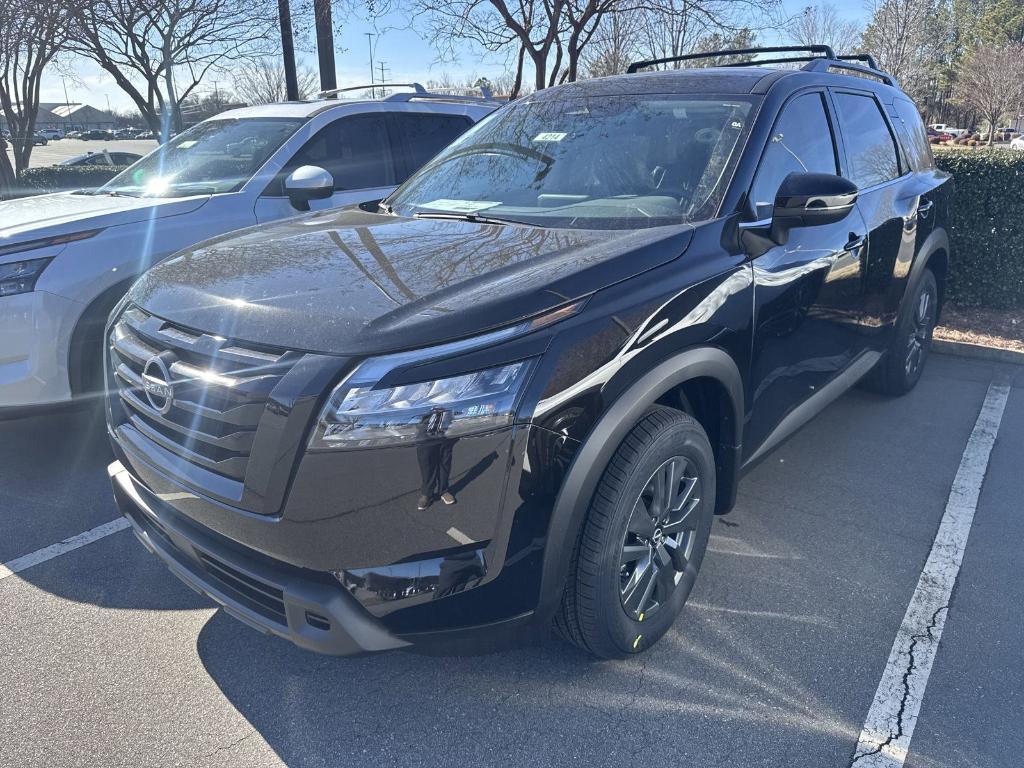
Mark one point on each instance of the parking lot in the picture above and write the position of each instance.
(55, 151)
(108, 660)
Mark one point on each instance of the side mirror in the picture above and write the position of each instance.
(810, 200)
(308, 182)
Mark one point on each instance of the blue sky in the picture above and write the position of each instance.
(407, 55)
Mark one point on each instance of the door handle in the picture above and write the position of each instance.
(925, 208)
(855, 242)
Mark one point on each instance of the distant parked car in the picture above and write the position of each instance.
(943, 128)
(73, 255)
(95, 135)
(1017, 143)
(103, 158)
(939, 135)
(147, 134)
(52, 134)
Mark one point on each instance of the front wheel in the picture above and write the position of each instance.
(903, 363)
(644, 538)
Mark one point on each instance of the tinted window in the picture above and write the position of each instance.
(355, 150)
(913, 136)
(870, 149)
(587, 162)
(801, 142)
(424, 135)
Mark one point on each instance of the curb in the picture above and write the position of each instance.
(977, 351)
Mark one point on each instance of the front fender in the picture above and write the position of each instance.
(581, 480)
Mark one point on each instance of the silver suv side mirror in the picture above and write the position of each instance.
(308, 182)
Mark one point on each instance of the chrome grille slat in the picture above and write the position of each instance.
(233, 467)
(238, 442)
(217, 390)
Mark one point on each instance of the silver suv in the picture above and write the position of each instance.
(67, 258)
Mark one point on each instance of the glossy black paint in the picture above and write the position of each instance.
(750, 336)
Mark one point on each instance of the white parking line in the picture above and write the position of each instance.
(62, 548)
(885, 739)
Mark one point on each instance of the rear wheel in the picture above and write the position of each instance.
(644, 538)
(901, 367)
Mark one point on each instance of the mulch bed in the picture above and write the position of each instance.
(999, 328)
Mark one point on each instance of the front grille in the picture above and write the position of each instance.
(216, 390)
(265, 599)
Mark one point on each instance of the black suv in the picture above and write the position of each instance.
(515, 393)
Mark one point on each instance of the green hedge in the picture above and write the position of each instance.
(987, 227)
(61, 178)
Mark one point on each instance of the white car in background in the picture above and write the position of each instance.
(66, 259)
(1017, 143)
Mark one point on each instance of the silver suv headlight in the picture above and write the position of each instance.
(358, 415)
(21, 276)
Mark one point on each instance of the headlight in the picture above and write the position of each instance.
(357, 415)
(20, 276)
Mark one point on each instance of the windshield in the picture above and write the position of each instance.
(603, 162)
(207, 159)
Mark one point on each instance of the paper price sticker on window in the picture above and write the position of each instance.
(458, 206)
(552, 136)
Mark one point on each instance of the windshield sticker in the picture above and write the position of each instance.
(551, 136)
(459, 206)
(187, 144)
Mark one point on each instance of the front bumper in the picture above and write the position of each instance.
(271, 596)
(35, 335)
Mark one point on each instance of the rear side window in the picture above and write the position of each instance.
(801, 142)
(423, 135)
(913, 136)
(870, 148)
(355, 150)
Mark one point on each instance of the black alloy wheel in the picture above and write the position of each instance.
(644, 538)
(659, 537)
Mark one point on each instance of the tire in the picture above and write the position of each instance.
(901, 366)
(622, 548)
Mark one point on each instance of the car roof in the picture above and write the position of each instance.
(306, 109)
(755, 79)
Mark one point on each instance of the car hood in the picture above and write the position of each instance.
(31, 218)
(351, 282)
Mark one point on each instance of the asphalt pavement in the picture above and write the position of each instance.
(107, 660)
(62, 149)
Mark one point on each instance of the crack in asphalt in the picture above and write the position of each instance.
(905, 682)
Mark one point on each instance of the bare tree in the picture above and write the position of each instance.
(31, 35)
(554, 36)
(671, 28)
(159, 51)
(992, 82)
(617, 45)
(822, 25)
(262, 81)
(908, 38)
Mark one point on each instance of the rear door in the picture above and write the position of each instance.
(808, 293)
(888, 201)
(357, 150)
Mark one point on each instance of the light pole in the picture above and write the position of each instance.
(291, 79)
(325, 44)
(369, 41)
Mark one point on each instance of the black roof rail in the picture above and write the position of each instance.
(846, 62)
(867, 58)
(825, 50)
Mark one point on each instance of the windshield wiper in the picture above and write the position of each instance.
(473, 218)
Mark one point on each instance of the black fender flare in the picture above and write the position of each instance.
(92, 320)
(937, 241)
(573, 500)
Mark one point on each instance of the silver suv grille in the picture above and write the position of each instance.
(197, 396)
